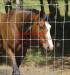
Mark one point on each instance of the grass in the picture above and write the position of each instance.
(36, 5)
(2, 8)
(35, 55)
(61, 7)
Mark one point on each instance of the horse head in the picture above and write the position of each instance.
(41, 32)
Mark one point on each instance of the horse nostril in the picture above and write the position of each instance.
(50, 48)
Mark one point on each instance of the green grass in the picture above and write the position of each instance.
(2, 8)
(35, 55)
(36, 5)
(62, 7)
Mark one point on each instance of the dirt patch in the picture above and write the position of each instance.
(32, 69)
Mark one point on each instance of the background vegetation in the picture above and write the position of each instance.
(36, 5)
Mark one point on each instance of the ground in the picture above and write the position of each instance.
(31, 68)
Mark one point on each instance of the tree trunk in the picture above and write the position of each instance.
(19, 4)
(54, 11)
(66, 7)
(42, 7)
(8, 5)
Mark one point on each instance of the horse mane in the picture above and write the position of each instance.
(37, 12)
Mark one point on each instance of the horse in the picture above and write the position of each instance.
(19, 29)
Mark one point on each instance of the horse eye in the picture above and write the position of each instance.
(41, 27)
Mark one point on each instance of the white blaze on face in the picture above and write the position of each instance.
(48, 36)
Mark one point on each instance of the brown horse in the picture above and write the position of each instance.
(19, 30)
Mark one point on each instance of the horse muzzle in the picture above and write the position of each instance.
(48, 47)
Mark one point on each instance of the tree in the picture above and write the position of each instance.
(53, 8)
(19, 4)
(66, 7)
(8, 5)
(42, 7)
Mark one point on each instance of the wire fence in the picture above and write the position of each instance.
(60, 32)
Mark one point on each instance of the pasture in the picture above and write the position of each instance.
(36, 63)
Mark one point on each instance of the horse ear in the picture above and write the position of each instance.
(46, 18)
(42, 23)
(35, 17)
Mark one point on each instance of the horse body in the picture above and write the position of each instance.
(15, 23)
